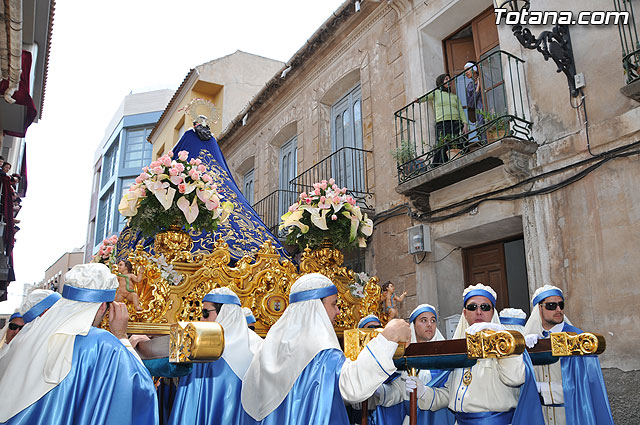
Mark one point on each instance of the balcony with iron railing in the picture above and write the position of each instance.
(630, 49)
(273, 206)
(347, 166)
(464, 126)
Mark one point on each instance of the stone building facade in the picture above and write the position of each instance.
(552, 201)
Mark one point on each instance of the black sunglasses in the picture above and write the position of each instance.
(474, 307)
(553, 306)
(15, 326)
(205, 313)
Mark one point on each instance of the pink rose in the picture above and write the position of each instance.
(183, 155)
(144, 176)
(317, 192)
(173, 172)
(335, 188)
(194, 174)
(170, 154)
(351, 200)
(343, 190)
(154, 164)
(308, 200)
(323, 199)
(166, 161)
(323, 186)
(197, 161)
(182, 187)
(145, 169)
(138, 180)
(158, 170)
(179, 167)
(334, 217)
(202, 168)
(324, 182)
(207, 178)
(336, 199)
(331, 181)
(109, 249)
(303, 195)
(316, 185)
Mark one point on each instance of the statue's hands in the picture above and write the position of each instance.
(397, 330)
(118, 319)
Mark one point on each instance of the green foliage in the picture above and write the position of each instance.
(152, 218)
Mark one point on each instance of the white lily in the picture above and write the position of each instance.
(319, 218)
(190, 211)
(128, 206)
(366, 226)
(293, 219)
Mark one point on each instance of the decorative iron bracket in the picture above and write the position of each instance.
(554, 44)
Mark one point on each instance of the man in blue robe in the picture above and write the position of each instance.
(491, 392)
(572, 390)
(210, 394)
(301, 376)
(64, 370)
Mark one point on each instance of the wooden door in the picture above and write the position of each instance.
(486, 264)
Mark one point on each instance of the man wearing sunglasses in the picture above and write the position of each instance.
(13, 327)
(210, 394)
(572, 390)
(492, 391)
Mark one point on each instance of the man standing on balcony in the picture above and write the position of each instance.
(493, 391)
(301, 375)
(572, 390)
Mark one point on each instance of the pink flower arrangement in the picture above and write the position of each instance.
(107, 251)
(183, 192)
(307, 219)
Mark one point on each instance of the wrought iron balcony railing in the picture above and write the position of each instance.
(273, 206)
(347, 166)
(481, 105)
(629, 41)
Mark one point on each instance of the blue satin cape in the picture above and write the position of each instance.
(315, 397)
(209, 395)
(106, 385)
(585, 395)
(244, 231)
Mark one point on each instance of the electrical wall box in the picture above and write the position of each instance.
(579, 80)
(419, 238)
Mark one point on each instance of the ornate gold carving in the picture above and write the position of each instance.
(262, 282)
(195, 342)
(490, 344)
(356, 339)
(571, 344)
(174, 244)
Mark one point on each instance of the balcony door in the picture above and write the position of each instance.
(288, 172)
(347, 164)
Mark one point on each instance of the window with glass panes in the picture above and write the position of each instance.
(105, 217)
(247, 190)
(109, 163)
(124, 187)
(137, 151)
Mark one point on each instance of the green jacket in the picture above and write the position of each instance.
(446, 105)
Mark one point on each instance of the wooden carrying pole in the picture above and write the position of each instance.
(413, 401)
(365, 411)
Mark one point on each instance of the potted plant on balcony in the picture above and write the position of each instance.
(326, 217)
(405, 156)
(171, 194)
(446, 142)
(496, 127)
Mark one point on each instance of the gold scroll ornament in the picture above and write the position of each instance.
(488, 344)
(195, 342)
(356, 339)
(262, 282)
(571, 344)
